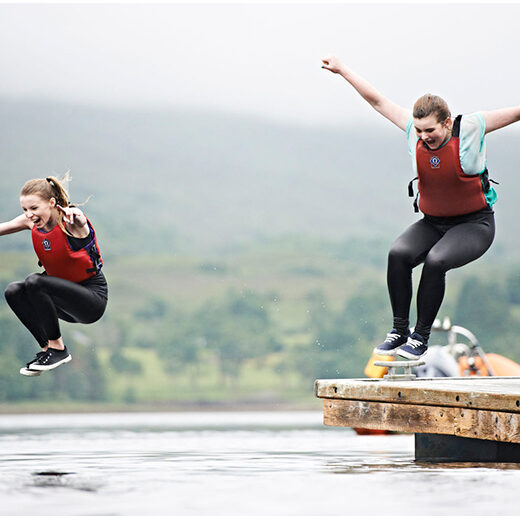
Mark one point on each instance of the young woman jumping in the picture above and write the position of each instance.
(72, 287)
(449, 159)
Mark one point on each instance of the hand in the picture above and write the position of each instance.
(70, 214)
(332, 63)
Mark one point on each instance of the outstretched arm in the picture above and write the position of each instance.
(393, 112)
(13, 226)
(496, 119)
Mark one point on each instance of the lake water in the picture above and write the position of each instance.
(237, 463)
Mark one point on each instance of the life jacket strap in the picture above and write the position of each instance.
(411, 194)
(95, 257)
(455, 131)
(486, 180)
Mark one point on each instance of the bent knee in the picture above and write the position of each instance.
(436, 263)
(399, 254)
(34, 282)
(13, 290)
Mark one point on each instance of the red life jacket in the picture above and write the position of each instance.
(59, 259)
(444, 189)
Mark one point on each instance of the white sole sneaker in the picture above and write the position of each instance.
(29, 373)
(390, 352)
(44, 368)
(410, 356)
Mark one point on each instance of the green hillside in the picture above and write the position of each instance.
(187, 181)
(245, 258)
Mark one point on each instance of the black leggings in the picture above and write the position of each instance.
(40, 300)
(442, 243)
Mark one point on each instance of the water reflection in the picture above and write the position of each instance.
(464, 465)
(399, 462)
(251, 464)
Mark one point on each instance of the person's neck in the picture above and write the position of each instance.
(51, 223)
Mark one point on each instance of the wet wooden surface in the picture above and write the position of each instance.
(479, 407)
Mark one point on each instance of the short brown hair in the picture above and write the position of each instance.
(430, 104)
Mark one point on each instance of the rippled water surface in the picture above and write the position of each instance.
(258, 463)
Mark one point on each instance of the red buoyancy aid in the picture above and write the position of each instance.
(58, 259)
(444, 189)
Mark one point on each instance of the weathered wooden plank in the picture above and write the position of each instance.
(463, 422)
(499, 394)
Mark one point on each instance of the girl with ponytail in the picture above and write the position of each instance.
(72, 286)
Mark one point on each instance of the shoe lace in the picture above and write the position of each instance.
(45, 357)
(391, 336)
(37, 357)
(415, 343)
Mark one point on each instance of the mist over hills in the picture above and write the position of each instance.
(166, 181)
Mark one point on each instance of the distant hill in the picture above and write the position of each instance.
(179, 181)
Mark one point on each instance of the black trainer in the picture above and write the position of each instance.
(26, 371)
(392, 343)
(414, 348)
(50, 359)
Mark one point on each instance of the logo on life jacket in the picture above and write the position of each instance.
(435, 162)
(46, 245)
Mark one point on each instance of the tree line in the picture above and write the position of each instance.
(237, 328)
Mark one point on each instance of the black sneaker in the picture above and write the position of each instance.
(50, 359)
(414, 348)
(26, 371)
(392, 343)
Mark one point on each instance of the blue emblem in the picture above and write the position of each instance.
(435, 162)
(46, 245)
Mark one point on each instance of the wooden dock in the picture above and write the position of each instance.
(454, 419)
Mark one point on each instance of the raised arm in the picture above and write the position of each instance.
(393, 112)
(75, 221)
(496, 119)
(13, 226)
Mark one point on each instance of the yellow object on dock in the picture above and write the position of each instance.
(375, 371)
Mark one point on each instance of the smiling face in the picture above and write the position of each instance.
(41, 212)
(431, 131)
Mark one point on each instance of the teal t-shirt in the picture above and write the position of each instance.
(472, 148)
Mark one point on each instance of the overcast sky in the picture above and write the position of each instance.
(261, 59)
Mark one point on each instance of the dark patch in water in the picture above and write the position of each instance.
(52, 473)
(61, 479)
